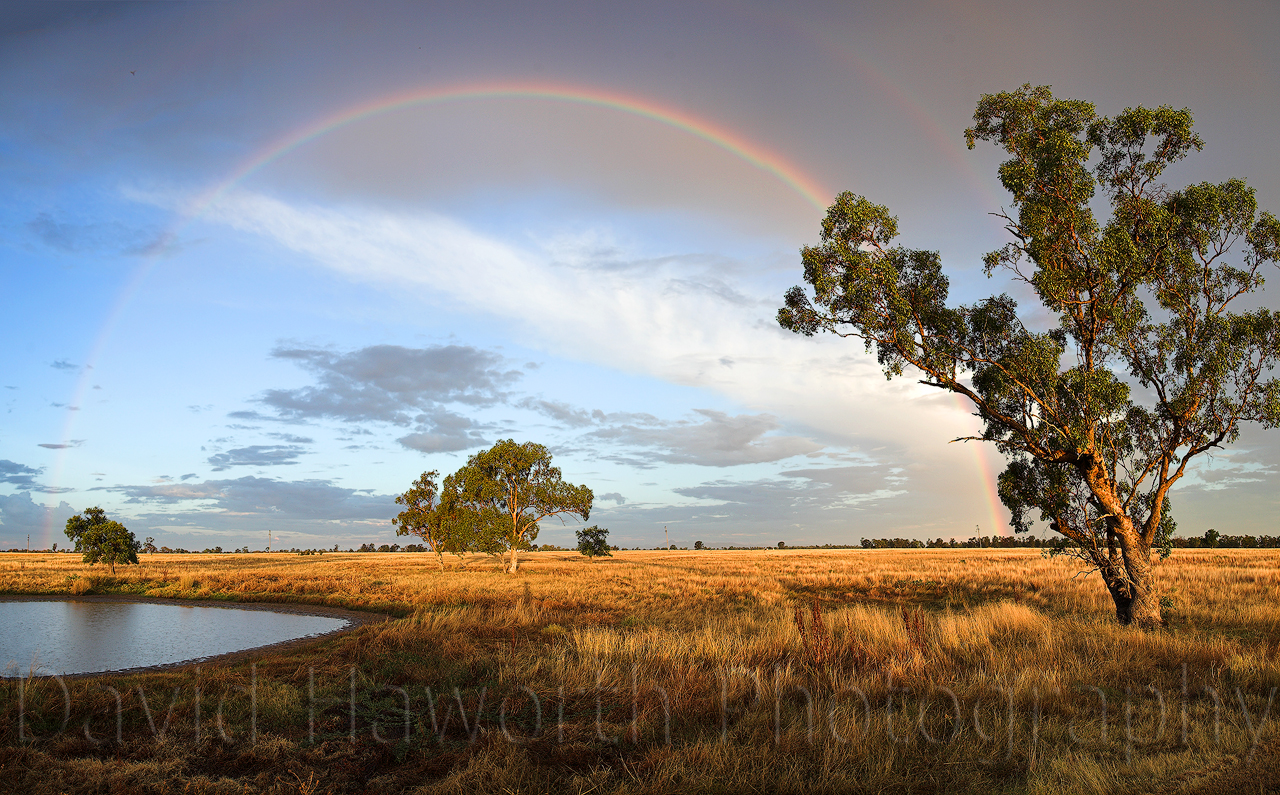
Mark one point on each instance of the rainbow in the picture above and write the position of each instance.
(757, 155)
(771, 162)
(985, 469)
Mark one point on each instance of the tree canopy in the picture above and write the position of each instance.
(593, 541)
(443, 519)
(510, 488)
(102, 540)
(421, 516)
(1145, 365)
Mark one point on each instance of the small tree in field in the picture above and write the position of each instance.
(1144, 367)
(509, 488)
(443, 519)
(102, 540)
(422, 516)
(593, 541)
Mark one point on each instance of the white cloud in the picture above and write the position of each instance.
(678, 319)
(719, 440)
(693, 321)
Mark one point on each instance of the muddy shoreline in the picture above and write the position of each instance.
(355, 620)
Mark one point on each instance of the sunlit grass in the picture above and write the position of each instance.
(713, 640)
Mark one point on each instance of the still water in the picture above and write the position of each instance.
(78, 637)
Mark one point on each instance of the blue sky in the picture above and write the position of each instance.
(210, 349)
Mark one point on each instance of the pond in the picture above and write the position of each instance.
(70, 636)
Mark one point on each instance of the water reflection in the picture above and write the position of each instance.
(76, 637)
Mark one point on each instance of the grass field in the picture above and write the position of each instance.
(818, 671)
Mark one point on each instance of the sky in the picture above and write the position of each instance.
(263, 264)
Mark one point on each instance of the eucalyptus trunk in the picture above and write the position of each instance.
(1130, 578)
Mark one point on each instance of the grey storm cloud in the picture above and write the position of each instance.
(390, 383)
(832, 486)
(72, 237)
(842, 502)
(563, 413)
(257, 455)
(443, 431)
(720, 440)
(24, 477)
(19, 475)
(19, 515)
(613, 497)
(289, 438)
(408, 387)
(61, 445)
(265, 497)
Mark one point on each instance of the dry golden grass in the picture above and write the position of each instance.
(685, 671)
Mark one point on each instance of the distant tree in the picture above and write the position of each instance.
(697, 545)
(444, 519)
(593, 541)
(782, 545)
(149, 546)
(1142, 369)
(102, 540)
(1211, 537)
(505, 491)
(54, 547)
(421, 516)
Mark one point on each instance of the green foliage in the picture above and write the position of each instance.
(1144, 367)
(505, 491)
(437, 515)
(418, 518)
(102, 540)
(593, 541)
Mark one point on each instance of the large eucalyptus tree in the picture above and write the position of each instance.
(510, 488)
(1147, 366)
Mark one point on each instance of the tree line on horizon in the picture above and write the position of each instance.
(592, 543)
(1210, 540)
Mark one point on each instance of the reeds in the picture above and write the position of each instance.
(816, 640)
